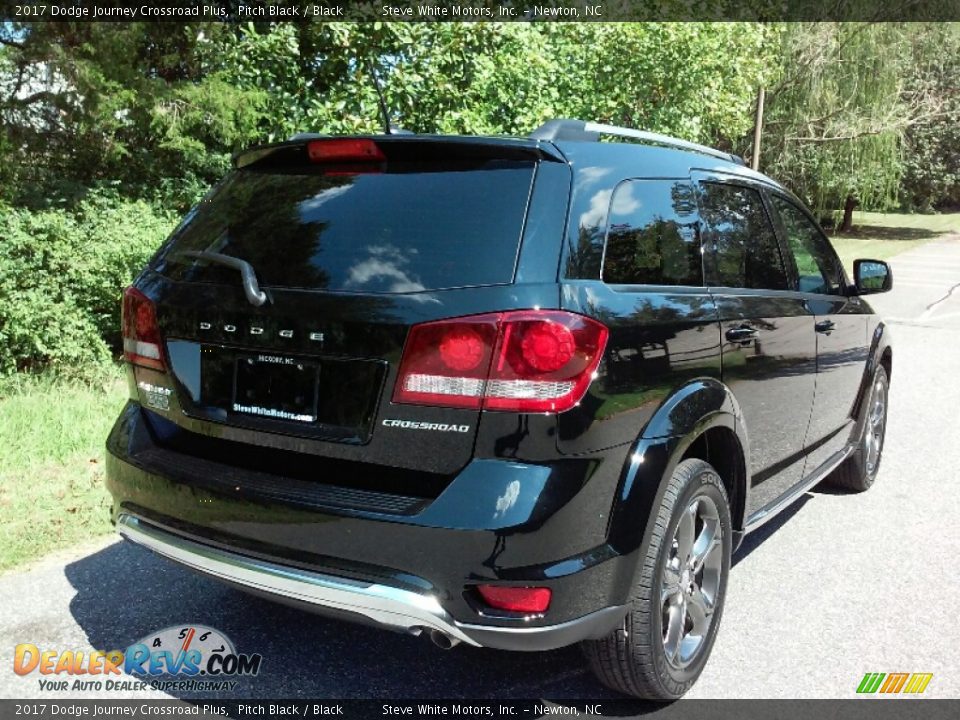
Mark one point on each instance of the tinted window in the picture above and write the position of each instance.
(410, 229)
(652, 234)
(818, 269)
(745, 250)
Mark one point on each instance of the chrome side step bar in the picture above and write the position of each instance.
(769, 512)
(390, 606)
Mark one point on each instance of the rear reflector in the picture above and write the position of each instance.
(344, 150)
(520, 361)
(141, 334)
(516, 599)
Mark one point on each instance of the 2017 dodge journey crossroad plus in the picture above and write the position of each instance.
(516, 393)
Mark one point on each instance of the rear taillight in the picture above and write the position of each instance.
(141, 334)
(519, 361)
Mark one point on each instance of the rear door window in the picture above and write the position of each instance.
(652, 234)
(743, 248)
(412, 228)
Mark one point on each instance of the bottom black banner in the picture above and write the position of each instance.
(865, 709)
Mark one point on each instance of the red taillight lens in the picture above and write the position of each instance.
(462, 348)
(547, 346)
(446, 363)
(520, 361)
(344, 150)
(516, 599)
(141, 334)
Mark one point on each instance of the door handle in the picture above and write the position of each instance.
(744, 333)
(825, 326)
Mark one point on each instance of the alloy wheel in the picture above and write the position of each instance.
(876, 422)
(691, 581)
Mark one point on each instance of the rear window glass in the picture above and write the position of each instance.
(652, 234)
(413, 228)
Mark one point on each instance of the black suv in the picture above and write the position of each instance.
(516, 393)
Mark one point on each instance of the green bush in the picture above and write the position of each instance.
(61, 277)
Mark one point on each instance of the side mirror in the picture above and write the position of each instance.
(872, 276)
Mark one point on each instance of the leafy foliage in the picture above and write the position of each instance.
(132, 105)
(864, 113)
(61, 275)
(931, 157)
(834, 119)
(695, 80)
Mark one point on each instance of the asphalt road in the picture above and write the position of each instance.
(837, 586)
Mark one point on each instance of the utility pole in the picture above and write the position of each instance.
(758, 130)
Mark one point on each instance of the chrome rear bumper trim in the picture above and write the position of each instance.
(394, 607)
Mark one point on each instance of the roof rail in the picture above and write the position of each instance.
(583, 131)
(306, 136)
(394, 130)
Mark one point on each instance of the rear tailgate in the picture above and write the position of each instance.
(350, 254)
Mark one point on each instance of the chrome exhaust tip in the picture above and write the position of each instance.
(442, 640)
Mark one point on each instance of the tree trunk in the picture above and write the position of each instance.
(848, 208)
(758, 130)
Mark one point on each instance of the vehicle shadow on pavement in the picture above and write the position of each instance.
(756, 538)
(124, 592)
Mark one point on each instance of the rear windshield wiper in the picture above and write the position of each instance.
(251, 287)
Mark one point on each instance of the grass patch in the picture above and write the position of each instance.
(880, 236)
(52, 433)
(936, 224)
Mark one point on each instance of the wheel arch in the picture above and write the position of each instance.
(880, 353)
(702, 419)
(886, 360)
(720, 446)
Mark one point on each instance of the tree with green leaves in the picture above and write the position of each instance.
(931, 150)
(140, 106)
(695, 80)
(156, 108)
(837, 116)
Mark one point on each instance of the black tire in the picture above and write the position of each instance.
(858, 471)
(633, 659)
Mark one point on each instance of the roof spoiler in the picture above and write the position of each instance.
(407, 147)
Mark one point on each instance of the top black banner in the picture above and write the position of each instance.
(185, 11)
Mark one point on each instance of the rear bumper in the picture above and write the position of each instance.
(497, 522)
(392, 607)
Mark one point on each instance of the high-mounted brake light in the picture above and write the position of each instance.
(516, 599)
(520, 361)
(141, 334)
(344, 150)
